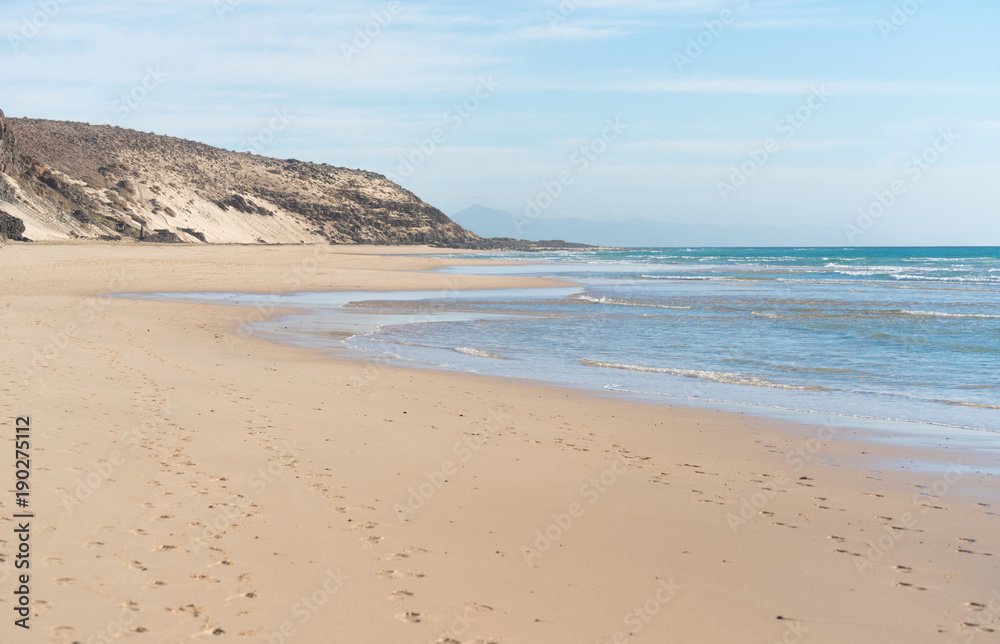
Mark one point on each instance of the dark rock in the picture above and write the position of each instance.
(10, 155)
(240, 204)
(10, 226)
(163, 236)
(194, 233)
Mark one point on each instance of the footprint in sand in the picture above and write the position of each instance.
(52, 561)
(410, 616)
(847, 552)
(136, 565)
(208, 579)
(386, 573)
(406, 552)
(367, 525)
(966, 551)
(190, 609)
(401, 594)
(64, 581)
(909, 585)
(479, 607)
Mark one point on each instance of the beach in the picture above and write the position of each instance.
(190, 478)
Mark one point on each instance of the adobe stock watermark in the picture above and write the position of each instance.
(224, 7)
(117, 627)
(102, 470)
(794, 632)
(892, 535)
(714, 29)
(435, 479)
(900, 17)
(981, 619)
(787, 126)
(293, 279)
(805, 453)
(88, 310)
(130, 101)
(34, 24)
(309, 605)
(581, 160)
(259, 481)
(279, 122)
(591, 491)
(562, 13)
(372, 370)
(452, 120)
(913, 171)
(637, 618)
(374, 367)
(365, 35)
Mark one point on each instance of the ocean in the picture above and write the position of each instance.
(898, 334)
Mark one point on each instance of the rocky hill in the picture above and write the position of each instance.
(73, 180)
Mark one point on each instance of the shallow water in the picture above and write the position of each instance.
(908, 334)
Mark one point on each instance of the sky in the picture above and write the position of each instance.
(867, 116)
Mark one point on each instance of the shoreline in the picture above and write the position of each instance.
(274, 479)
(298, 314)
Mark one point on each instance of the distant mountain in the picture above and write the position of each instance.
(74, 180)
(489, 222)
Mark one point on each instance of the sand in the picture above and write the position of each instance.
(192, 480)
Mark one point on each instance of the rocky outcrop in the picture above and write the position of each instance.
(10, 226)
(73, 180)
(10, 159)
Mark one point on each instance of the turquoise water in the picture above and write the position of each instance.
(909, 334)
(886, 333)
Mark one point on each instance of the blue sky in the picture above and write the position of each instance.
(491, 103)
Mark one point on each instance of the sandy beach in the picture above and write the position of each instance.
(190, 479)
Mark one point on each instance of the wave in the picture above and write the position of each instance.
(802, 411)
(771, 316)
(715, 376)
(619, 302)
(964, 403)
(937, 314)
(479, 354)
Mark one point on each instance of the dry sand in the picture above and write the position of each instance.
(189, 482)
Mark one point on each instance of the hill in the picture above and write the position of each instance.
(74, 180)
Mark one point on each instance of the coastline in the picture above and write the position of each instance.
(276, 474)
